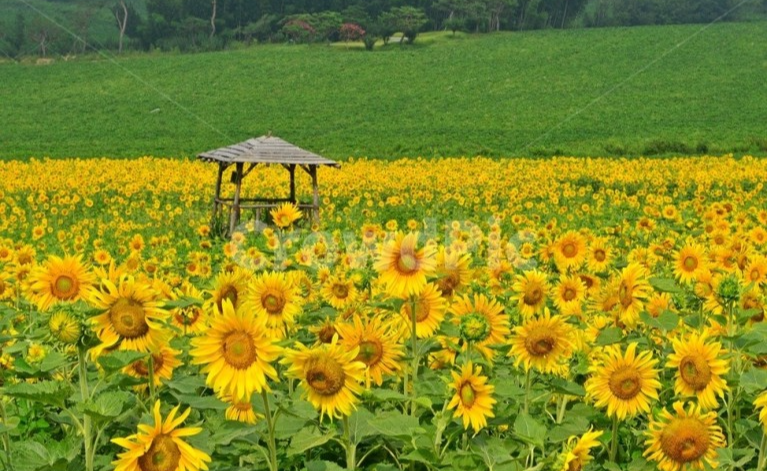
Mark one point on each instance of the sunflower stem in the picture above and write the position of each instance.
(150, 369)
(528, 385)
(6, 438)
(83, 377)
(351, 447)
(762, 449)
(414, 344)
(270, 430)
(561, 409)
(614, 440)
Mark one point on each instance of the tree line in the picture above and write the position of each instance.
(197, 25)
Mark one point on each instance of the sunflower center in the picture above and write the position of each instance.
(533, 295)
(626, 294)
(755, 275)
(325, 376)
(569, 294)
(569, 250)
(600, 255)
(340, 291)
(370, 353)
(690, 263)
(163, 455)
(141, 367)
(273, 303)
(65, 287)
(421, 311)
(685, 440)
(239, 350)
(128, 318)
(228, 292)
(695, 371)
(540, 342)
(326, 333)
(187, 316)
(449, 283)
(407, 263)
(468, 396)
(626, 383)
(474, 327)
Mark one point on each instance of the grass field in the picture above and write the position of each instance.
(625, 91)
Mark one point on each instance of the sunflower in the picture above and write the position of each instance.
(473, 399)
(65, 327)
(190, 320)
(237, 351)
(324, 331)
(376, 345)
(543, 343)
(756, 271)
(481, 322)
(761, 403)
(445, 356)
(569, 294)
(285, 215)
(430, 310)
(131, 319)
(229, 285)
(688, 262)
(453, 271)
(625, 384)
(339, 292)
(532, 289)
(577, 451)
(163, 361)
(599, 256)
(687, 440)
(631, 288)
(276, 300)
(569, 251)
(403, 267)
(240, 410)
(160, 447)
(700, 369)
(330, 376)
(658, 303)
(60, 280)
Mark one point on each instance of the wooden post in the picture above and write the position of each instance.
(316, 193)
(292, 170)
(217, 194)
(234, 216)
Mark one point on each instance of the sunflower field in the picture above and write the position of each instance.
(561, 314)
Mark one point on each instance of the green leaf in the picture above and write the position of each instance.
(753, 380)
(665, 285)
(202, 403)
(609, 336)
(228, 432)
(386, 395)
(182, 302)
(564, 386)
(11, 424)
(317, 465)
(755, 340)
(359, 424)
(395, 424)
(665, 321)
(107, 405)
(308, 438)
(186, 384)
(494, 452)
(529, 430)
(53, 393)
(53, 361)
(421, 455)
(737, 458)
(118, 360)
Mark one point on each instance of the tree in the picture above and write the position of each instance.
(213, 19)
(409, 20)
(121, 15)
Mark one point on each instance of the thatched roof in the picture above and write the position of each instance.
(266, 150)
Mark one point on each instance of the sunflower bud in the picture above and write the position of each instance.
(474, 327)
(65, 327)
(728, 290)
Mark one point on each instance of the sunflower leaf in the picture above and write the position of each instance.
(308, 438)
(665, 285)
(201, 403)
(395, 424)
(317, 465)
(52, 393)
(182, 302)
(609, 336)
(107, 406)
(529, 430)
(118, 360)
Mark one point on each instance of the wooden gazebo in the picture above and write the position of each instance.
(266, 150)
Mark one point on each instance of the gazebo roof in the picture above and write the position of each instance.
(266, 150)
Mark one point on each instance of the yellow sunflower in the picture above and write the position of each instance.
(229, 285)
(160, 447)
(570, 251)
(285, 215)
(577, 451)
(65, 327)
(599, 257)
(700, 369)
(453, 272)
(402, 267)
(543, 343)
(685, 441)
(473, 400)
(330, 376)
(164, 361)
(688, 262)
(430, 309)
(190, 320)
(482, 323)
(339, 292)
(632, 288)
(531, 289)
(376, 345)
(272, 297)
(569, 294)
(237, 352)
(58, 280)
(625, 384)
(756, 271)
(761, 403)
(240, 410)
(131, 319)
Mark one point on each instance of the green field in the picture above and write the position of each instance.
(621, 91)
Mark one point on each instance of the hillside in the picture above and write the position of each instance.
(627, 91)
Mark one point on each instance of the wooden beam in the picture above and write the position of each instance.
(221, 168)
(234, 216)
(292, 170)
(315, 192)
